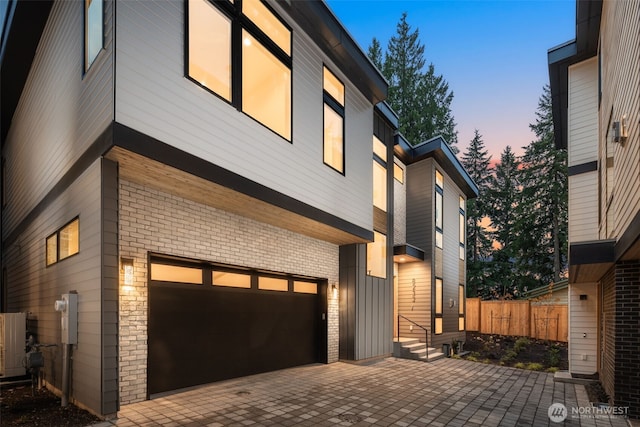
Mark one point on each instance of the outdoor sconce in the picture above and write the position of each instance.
(334, 290)
(620, 130)
(127, 268)
(452, 303)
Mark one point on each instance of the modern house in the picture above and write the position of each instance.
(215, 181)
(596, 114)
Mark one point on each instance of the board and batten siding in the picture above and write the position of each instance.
(33, 288)
(620, 44)
(583, 328)
(154, 97)
(61, 112)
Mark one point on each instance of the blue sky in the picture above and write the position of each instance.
(492, 53)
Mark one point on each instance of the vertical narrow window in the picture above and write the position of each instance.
(437, 306)
(462, 232)
(438, 208)
(241, 51)
(333, 96)
(209, 51)
(93, 30)
(398, 173)
(377, 256)
(379, 149)
(461, 306)
(379, 186)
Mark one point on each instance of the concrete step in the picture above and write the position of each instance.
(408, 348)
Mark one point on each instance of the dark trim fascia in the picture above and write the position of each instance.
(559, 58)
(387, 113)
(630, 237)
(583, 168)
(329, 34)
(147, 146)
(409, 250)
(95, 150)
(596, 252)
(23, 27)
(438, 149)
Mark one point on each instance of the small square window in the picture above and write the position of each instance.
(63, 243)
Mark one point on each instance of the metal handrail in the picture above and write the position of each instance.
(426, 331)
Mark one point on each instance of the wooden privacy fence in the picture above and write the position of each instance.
(520, 318)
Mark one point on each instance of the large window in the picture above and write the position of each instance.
(462, 233)
(241, 51)
(333, 96)
(438, 209)
(437, 306)
(377, 256)
(63, 243)
(93, 30)
(379, 186)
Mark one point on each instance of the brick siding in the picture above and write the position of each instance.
(154, 221)
(620, 374)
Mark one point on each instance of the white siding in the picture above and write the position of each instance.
(583, 112)
(61, 112)
(583, 319)
(583, 207)
(40, 286)
(154, 97)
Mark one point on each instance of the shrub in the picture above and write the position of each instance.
(553, 369)
(519, 365)
(521, 344)
(554, 355)
(509, 356)
(535, 366)
(472, 358)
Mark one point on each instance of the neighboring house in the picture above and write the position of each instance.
(596, 114)
(431, 189)
(202, 176)
(555, 293)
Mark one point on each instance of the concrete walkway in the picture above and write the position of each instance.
(387, 392)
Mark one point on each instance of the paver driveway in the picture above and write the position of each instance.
(392, 391)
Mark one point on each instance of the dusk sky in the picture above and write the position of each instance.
(492, 53)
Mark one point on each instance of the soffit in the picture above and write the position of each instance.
(142, 170)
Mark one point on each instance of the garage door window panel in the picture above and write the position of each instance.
(176, 274)
(231, 280)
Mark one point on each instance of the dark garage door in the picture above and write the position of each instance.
(200, 333)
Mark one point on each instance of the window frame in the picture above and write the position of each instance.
(88, 62)
(370, 272)
(56, 234)
(239, 23)
(377, 163)
(462, 232)
(329, 101)
(439, 207)
(438, 314)
(461, 307)
(398, 170)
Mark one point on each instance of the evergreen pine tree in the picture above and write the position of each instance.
(421, 99)
(476, 161)
(502, 198)
(542, 229)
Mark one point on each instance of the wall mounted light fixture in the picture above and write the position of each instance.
(127, 269)
(334, 290)
(620, 130)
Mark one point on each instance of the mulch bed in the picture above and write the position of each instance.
(19, 406)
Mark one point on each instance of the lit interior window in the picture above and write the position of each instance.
(333, 140)
(233, 280)
(273, 284)
(266, 87)
(333, 86)
(176, 274)
(210, 47)
(267, 22)
(377, 256)
(379, 149)
(305, 287)
(52, 249)
(379, 186)
(69, 239)
(398, 173)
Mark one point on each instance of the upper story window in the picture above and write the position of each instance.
(379, 186)
(333, 96)
(438, 300)
(398, 173)
(462, 233)
(379, 149)
(241, 51)
(93, 30)
(63, 243)
(438, 208)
